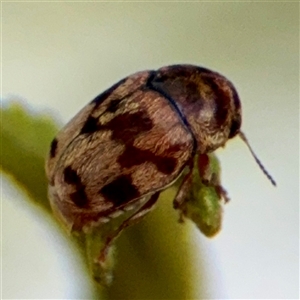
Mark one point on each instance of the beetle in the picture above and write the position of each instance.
(136, 139)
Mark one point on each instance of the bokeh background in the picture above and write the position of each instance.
(58, 56)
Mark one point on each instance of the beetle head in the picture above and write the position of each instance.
(207, 103)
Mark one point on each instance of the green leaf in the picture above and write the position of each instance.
(204, 207)
(25, 139)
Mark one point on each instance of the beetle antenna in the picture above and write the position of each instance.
(243, 137)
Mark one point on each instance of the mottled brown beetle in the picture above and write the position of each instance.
(135, 139)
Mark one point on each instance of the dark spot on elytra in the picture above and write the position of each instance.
(90, 126)
(53, 148)
(133, 156)
(125, 127)
(100, 98)
(71, 176)
(120, 191)
(113, 105)
(166, 165)
(152, 75)
(79, 197)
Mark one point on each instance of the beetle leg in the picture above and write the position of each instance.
(210, 177)
(183, 193)
(135, 218)
(222, 193)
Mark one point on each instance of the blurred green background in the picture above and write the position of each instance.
(58, 56)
